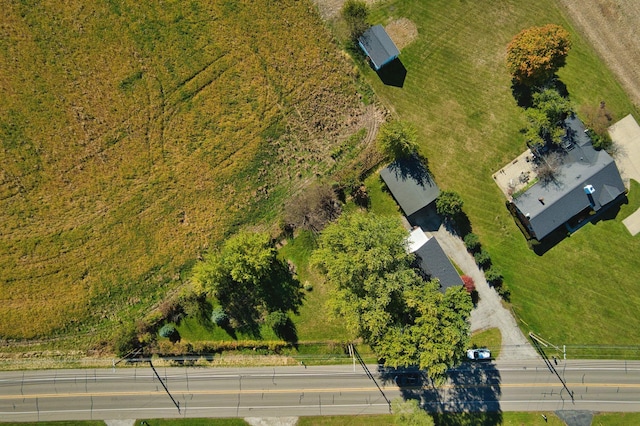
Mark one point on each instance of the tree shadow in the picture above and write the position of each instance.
(426, 218)
(523, 94)
(229, 330)
(471, 399)
(393, 74)
(412, 167)
(287, 332)
(459, 225)
(282, 291)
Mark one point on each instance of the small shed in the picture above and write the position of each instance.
(378, 46)
(411, 185)
(433, 261)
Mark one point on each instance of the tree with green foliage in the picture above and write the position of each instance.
(409, 413)
(535, 54)
(247, 279)
(382, 299)
(449, 204)
(549, 109)
(472, 242)
(398, 139)
(356, 15)
(554, 106)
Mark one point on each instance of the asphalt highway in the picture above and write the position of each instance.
(136, 392)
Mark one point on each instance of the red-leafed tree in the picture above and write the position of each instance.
(469, 284)
(536, 53)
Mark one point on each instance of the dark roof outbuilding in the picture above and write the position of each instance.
(435, 264)
(410, 184)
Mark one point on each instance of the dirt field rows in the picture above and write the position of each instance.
(612, 28)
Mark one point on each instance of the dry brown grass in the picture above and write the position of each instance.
(136, 135)
(612, 28)
(402, 31)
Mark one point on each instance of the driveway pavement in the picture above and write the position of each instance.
(626, 137)
(490, 312)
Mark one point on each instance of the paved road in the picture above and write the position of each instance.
(296, 391)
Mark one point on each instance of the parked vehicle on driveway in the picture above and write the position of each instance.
(479, 354)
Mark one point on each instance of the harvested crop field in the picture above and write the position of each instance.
(134, 135)
(612, 28)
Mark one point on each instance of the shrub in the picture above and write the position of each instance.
(449, 204)
(469, 284)
(504, 291)
(356, 14)
(482, 258)
(493, 276)
(601, 141)
(308, 286)
(171, 310)
(472, 242)
(168, 330)
(219, 317)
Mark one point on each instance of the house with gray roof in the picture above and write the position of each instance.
(378, 46)
(411, 185)
(585, 183)
(432, 260)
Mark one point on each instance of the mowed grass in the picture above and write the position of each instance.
(135, 136)
(491, 339)
(457, 92)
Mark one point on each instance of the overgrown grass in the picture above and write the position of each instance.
(491, 339)
(457, 92)
(134, 136)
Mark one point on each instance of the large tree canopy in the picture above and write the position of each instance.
(247, 279)
(545, 117)
(382, 299)
(536, 53)
(398, 139)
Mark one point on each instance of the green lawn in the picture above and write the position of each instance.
(193, 422)
(616, 419)
(490, 338)
(458, 94)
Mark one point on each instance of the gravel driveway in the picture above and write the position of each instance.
(490, 312)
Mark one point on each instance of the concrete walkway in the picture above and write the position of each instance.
(490, 312)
